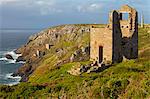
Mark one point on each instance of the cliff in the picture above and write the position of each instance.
(63, 40)
(47, 77)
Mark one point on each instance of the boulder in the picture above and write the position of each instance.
(85, 50)
(78, 52)
(94, 69)
(75, 70)
(59, 50)
(24, 78)
(8, 56)
(72, 58)
(84, 68)
(20, 58)
(79, 69)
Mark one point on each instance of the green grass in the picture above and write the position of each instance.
(129, 79)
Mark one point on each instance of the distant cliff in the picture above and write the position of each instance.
(64, 41)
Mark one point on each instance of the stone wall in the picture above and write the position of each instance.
(117, 40)
(129, 29)
(101, 37)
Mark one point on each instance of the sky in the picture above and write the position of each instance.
(46, 13)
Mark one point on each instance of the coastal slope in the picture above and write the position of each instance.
(63, 41)
(46, 75)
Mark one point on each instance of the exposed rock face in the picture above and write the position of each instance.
(79, 69)
(24, 72)
(94, 69)
(80, 54)
(8, 56)
(65, 39)
(20, 58)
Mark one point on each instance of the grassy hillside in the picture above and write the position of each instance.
(130, 79)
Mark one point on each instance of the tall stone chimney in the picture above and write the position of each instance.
(142, 21)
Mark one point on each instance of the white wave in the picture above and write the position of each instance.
(3, 59)
(8, 61)
(11, 61)
(16, 78)
(13, 54)
(11, 80)
(12, 83)
(9, 76)
(21, 62)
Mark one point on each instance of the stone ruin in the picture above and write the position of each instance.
(114, 43)
(118, 40)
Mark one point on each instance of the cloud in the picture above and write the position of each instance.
(94, 7)
(7, 1)
(28, 12)
(48, 7)
(42, 7)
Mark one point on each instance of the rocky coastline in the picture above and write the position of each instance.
(34, 51)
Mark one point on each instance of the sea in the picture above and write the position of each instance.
(10, 40)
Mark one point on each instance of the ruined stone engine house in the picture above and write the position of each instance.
(118, 40)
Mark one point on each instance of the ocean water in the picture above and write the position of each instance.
(9, 41)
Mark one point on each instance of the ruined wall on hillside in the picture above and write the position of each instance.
(118, 40)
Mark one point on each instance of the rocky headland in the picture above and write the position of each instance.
(68, 43)
(57, 66)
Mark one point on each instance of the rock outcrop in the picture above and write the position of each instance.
(80, 54)
(8, 56)
(69, 43)
(78, 69)
(20, 58)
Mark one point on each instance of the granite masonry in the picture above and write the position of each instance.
(117, 41)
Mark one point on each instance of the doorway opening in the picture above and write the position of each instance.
(100, 54)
